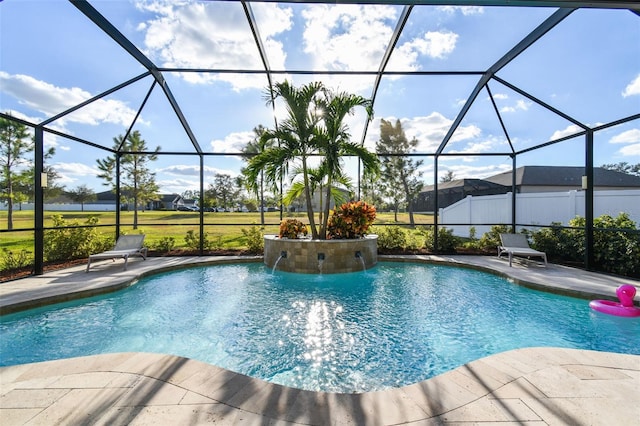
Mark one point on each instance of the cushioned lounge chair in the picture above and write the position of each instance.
(127, 245)
(517, 244)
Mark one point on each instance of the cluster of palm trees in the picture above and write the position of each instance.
(314, 126)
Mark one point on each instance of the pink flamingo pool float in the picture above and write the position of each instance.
(625, 308)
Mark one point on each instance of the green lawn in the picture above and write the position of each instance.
(159, 224)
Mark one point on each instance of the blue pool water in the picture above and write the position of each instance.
(390, 326)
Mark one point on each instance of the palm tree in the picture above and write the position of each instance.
(314, 125)
(295, 136)
(256, 146)
(334, 142)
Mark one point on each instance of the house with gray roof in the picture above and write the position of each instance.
(529, 179)
(563, 178)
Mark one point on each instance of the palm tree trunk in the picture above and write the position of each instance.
(327, 207)
(261, 199)
(307, 193)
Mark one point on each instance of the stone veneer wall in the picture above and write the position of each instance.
(302, 254)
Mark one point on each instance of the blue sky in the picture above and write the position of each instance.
(52, 58)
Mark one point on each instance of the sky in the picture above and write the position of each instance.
(52, 58)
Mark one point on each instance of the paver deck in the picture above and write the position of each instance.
(545, 386)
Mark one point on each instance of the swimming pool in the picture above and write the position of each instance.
(395, 324)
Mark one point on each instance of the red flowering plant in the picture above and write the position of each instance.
(351, 220)
(292, 228)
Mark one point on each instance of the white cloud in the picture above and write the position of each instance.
(501, 96)
(466, 10)
(569, 130)
(630, 150)
(435, 44)
(428, 130)
(477, 172)
(355, 37)
(520, 105)
(630, 137)
(233, 142)
(632, 88)
(486, 145)
(214, 35)
(71, 174)
(193, 170)
(180, 170)
(51, 100)
(177, 186)
(347, 37)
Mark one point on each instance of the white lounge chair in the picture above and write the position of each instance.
(517, 244)
(127, 245)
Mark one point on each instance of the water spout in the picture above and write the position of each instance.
(320, 262)
(283, 255)
(359, 256)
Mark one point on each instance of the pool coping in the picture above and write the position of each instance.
(531, 385)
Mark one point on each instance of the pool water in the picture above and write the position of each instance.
(393, 325)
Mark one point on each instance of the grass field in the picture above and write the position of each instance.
(159, 224)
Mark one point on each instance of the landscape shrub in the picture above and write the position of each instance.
(415, 241)
(351, 220)
(616, 250)
(165, 244)
(254, 238)
(11, 260)
(473, 242)
(192, 239)
(491, 240)
(291, 228)
(73, 241)
(447, 242)
(392, 238)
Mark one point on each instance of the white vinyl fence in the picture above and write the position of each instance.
(541, 208)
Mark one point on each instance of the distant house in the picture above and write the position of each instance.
(561, 179)
(165, 202)
(528, 179)
(454, 191)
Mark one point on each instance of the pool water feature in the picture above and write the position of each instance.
(389, 326)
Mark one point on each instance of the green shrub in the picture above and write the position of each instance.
(392, 238)
(215, 243)
(254, 238)
(73, 241)
(193, 240)
(447, 242)
(473, 242)
(165, 244)
(414, 241)
(491, 240)
(615, 249)
(11, 260)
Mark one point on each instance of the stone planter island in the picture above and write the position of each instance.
(308, 256)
